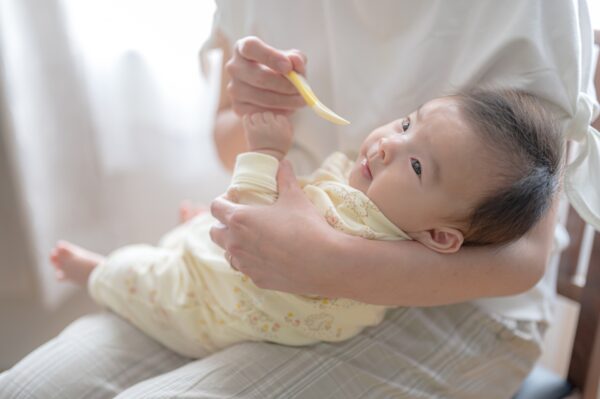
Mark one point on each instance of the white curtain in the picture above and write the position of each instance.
(110, 117)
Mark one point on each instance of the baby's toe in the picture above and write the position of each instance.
(54, 256)
(59, 274)
(64, 250)
(184, 211)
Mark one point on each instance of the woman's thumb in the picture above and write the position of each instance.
(286, 179)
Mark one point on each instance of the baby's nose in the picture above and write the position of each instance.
(384, 149)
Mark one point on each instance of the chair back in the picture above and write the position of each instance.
(579, 280)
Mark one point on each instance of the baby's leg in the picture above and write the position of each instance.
(153, 288)
(73, 263)
(159, 290)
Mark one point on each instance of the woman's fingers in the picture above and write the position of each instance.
(299, 61)
(287, 183)
(248, 94)
(257, 83)
(231, 233)
(254, 49)
(218, 235)
(258, 76)
(221, 209)
(241, 109)
(232, 229)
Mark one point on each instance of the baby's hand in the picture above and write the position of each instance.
(268, 133)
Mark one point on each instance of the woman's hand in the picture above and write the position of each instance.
(279, 246)
(256, 81)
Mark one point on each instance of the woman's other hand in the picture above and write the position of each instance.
(256, 77)
(279, 246)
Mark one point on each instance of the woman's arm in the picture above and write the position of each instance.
(426, 278)
(228, 133)
(289, 247)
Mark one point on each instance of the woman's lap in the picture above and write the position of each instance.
(415, 353)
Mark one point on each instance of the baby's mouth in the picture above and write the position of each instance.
(366, 171)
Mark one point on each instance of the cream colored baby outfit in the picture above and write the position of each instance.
(184, 294)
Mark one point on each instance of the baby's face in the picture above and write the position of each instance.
(425, 170)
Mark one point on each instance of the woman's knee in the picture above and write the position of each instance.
(100, 354)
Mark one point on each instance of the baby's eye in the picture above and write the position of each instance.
(405, 124)
(416, 165)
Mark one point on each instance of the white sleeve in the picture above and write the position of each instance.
(254, 180)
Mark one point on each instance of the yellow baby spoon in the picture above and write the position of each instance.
(312, 101)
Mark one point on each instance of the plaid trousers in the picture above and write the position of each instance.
(455, 351)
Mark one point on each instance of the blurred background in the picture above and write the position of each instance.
(105, 127)
(105, 121)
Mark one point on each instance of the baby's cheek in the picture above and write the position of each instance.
(352, 178)
(356, 181)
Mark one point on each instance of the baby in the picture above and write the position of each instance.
(476, 168)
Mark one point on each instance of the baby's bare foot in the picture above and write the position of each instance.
(187, 211)
(73, 263)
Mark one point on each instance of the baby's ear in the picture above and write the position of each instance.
(445, 240)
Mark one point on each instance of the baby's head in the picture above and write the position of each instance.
(480, 167)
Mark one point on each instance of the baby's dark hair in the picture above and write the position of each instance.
(527, 149)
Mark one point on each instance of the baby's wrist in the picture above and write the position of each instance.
(274, 152)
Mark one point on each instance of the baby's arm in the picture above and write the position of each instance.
(268, 133)
(269, 138)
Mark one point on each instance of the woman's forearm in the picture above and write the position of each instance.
(228, 133)
(408, 274)
(229, 137)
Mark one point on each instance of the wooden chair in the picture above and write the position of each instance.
(584, 367)
(583, 376)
